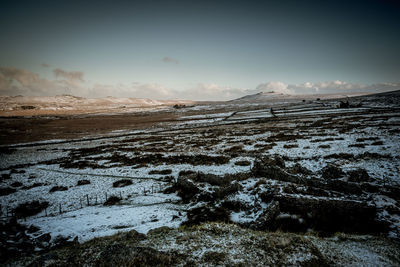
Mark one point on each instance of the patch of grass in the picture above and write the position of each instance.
(30, 208)
(361, 145)
(112, 200)
(163, 172)
(16, 184)
(332, 172)
(285, 137)
(377, 143)
(7, 150)
(290, 145)
(359, 175)
(363, 139)
(329, 139)
(260, 182)
(320, 123)
(5, 176)
(186, 172)
(324, 146)
(4, 191)
(214, 257)
(235, 150)
(217, 244)
(122, 183)
(339, 156)
(157, 159)
(58, 188)
(83, 182)
(243, 163)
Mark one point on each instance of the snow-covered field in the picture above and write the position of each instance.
(140, 167)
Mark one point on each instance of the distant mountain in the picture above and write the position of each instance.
(261, 96)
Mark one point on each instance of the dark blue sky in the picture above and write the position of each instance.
(178, 44)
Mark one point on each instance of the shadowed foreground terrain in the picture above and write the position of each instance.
(221, 244)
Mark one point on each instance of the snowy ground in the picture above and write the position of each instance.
(213, 142)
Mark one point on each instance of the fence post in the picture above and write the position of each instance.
(60, 208)
(106, 196)
(87, 198)
(80, 201)
(45, 211)
(120, 195)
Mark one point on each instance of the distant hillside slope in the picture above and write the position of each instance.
(272, 96)
(33, 105)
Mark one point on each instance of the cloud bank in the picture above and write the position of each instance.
(15, 81)
(340, 87)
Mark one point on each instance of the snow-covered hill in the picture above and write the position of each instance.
(274, 96)
(33, 105)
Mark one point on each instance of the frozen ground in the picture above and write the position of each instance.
(219, 141)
